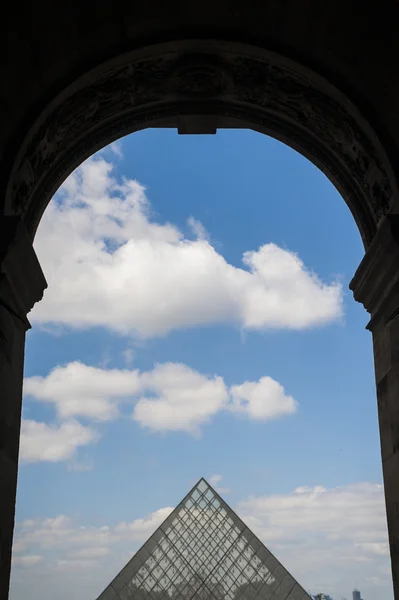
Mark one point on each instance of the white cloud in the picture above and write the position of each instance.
(80, 541)
(327, 537)
(78, 560)
(129, 355)
(379, 548)
(215, 481)
(90, 552)
(262, 400)
(116, 148)
(109, 263)
(80, 390)
(80, 465)
(197, 228)
(27, 561)
(52, 443)
(142, 528)
(183, 398)
(170, 397)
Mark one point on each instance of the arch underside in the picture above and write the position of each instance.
(62, 100)
(199, 86)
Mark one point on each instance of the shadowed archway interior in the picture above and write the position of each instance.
(315, 79)
(199, 86)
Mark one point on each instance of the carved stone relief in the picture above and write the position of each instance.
(259, 89)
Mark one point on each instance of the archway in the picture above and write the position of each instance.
(200, 86)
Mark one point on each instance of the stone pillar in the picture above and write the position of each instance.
(21, 285)
(376, 286)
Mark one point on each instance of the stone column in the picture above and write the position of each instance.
(22, 284)
(376, 286)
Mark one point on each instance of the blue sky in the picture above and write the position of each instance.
(264, 381)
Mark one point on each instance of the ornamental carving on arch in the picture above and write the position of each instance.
(222, 82)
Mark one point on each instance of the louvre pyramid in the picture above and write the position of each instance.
(203, 551)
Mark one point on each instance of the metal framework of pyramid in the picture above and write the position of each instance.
(203, 551)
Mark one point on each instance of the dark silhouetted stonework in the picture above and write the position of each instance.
(21, 285)
(321, 77)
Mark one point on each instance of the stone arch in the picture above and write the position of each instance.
(199, 86)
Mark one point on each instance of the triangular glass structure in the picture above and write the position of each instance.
(203, 551)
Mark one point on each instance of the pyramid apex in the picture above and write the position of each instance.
(204, 480)
(203, 550)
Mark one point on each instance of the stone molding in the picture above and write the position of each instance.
(22, 282)
(376, 281)
(229, 82)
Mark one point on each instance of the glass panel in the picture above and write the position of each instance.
(298, 593)
(203, 551)
(279, 573)
(108, 594)
(285, 588)
(202, 485)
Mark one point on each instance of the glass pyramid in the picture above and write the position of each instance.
(203, 551)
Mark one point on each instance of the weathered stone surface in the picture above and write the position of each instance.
(21, 285)
(62, 57)
(322, 78)
(184, 84)
(376, 285)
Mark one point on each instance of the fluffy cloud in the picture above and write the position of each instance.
(340, 513)
(183, 399)
(90, 553)
(170, 397)
(80, 390)
(215, 481)
(141, 529)
(116, 148)
(27, 561)
(52, 443)
(80, 541)
(327, 538)
(249, 398)
(109, 263)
